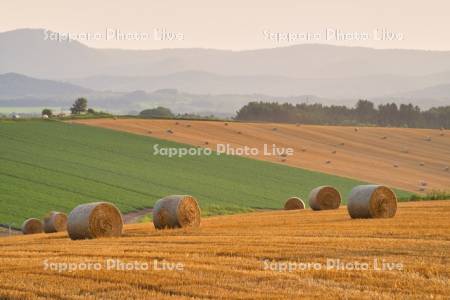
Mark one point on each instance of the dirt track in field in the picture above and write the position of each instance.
(235, 257)
(412, 159)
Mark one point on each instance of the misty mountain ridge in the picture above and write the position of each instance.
(335, 74)
(13, 85)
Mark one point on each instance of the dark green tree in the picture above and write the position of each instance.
(48, 112)
(79, 106)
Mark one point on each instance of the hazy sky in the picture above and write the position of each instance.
(243, 24)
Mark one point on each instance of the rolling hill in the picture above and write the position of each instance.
(49, 165)
(13, 85)
(411, 159)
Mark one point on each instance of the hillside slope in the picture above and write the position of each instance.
(225, 258)
(369, 154)
(48, 165)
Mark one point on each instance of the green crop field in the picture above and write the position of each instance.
(50, 165)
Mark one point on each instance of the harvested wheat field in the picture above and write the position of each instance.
(398, 157)
(245, 256)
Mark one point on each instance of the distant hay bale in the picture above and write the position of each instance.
(170, 131)
(176, 211)
(422, 189)
(188, 125)
(55, 222)
(94, 220)
(428, 139)
(334, 152)
(328, 162)
(226, 124)
(384, 137)
(149, 132)
(177, 123)
(32, 226)
(405, 150)
(298, 124)
(421, 164)
(423, 183)
(283, 160)
(446, 169)
(239, 132)
(206, 143)
(372, 201)
(341, 144)
(324, 197)
(396, 165)
(294, 203)
(356, 129)
(274, 129)
(303, 149)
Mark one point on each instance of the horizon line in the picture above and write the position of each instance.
(229, 49)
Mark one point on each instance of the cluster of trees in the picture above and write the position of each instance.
(365, 113)
(165, 113)
(80, 106)
(158, 112)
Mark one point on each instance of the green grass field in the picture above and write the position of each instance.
(50, 165)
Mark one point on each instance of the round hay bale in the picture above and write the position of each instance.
(324, 197)
(446, 169)
(372, 201)
(55, 222)
(423, 183)
(226, 124)
(170, 131)
(94, 220)
(294, 203)
(32, 226)
(176, 211)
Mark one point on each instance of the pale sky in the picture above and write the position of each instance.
(237, 25)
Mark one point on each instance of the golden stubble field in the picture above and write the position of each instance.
(398, 157)
(225, 258)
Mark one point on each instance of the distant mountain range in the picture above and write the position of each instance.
(13, 85)
(22, 91)
(334, 74)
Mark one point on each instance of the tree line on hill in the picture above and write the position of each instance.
(364, 113)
